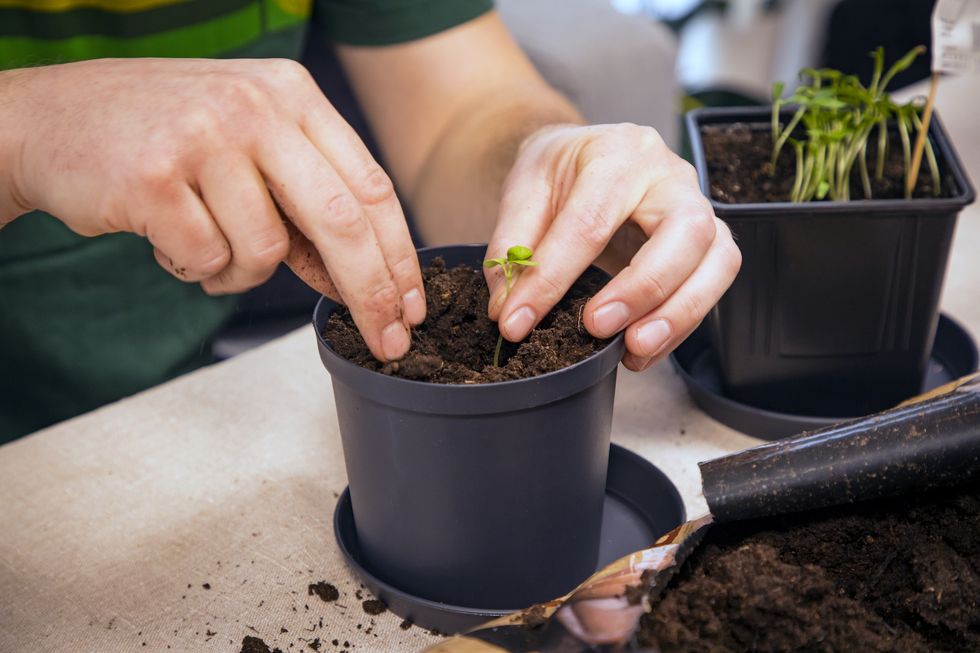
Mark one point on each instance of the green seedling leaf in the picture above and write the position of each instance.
(493, 262)
(530, 263)
(519, 253)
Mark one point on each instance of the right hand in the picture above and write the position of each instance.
(199, 156)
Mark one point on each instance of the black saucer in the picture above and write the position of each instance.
(954, 354)
(641, 505)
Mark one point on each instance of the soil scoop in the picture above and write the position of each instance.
(928, 442)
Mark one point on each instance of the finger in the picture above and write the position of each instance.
(236, 196)
(187, 242)
(319, 203)
(656, 334)
(522, 219)
(373, 189)
(658, 269)
(305, 262)
(602, 198)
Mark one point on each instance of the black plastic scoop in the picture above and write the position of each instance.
(931, 441)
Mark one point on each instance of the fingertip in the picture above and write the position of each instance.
(413, 303)
(395, 341)
(518, 324)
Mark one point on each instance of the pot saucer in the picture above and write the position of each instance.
(954, 354)
(641, 505)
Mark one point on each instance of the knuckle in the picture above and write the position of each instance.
(212, 259)
(199, 122)
(158, 173)
(701, 225)
(268, 248)
(653, 287)
(693, 308)
(686, 171)
(241, 95)
(381, 300)
(733, 258)
(404, 268)
(343, 217)
(650, 139)
(288, 71)
(550, 289)
(373, 186)
(592, 227)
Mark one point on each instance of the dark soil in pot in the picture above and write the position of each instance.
(456, 342)
(738, 158)
(895, 575)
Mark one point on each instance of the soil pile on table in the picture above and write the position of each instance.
(456, 342)
(898, 575)
(739, 169)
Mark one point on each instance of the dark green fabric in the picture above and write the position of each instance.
(383, 22)
(89, 321)
(85, 321)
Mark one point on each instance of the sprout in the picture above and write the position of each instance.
(836, 115)
(518, 255)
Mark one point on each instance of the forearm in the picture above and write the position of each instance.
(13, 97)
(457, 192)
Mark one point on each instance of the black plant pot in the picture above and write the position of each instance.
(835, 308)
(487, 496)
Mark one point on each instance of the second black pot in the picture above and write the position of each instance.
(487, 496)
(835, 308)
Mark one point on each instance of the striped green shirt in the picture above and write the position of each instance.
(84, 321)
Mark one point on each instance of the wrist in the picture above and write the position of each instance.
(15, 98)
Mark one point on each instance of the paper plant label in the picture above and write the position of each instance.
(956, 36)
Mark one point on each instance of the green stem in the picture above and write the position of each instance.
(500, 336)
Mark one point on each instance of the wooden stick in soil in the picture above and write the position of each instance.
(920, 139)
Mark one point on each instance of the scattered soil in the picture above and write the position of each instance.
(256, 645)
(739, 170)
(374, 607)
(898, 575)
(324, 590)
(456, 342)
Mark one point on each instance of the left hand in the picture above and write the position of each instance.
(616, 195)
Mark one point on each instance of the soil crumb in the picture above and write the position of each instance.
(373, 606)
(898, 575)
(406, 624)
(255, 645)
(324, 590)
(456, 342)
(739, 169)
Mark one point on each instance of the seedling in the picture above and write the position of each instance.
(518, 255)
(838, 115)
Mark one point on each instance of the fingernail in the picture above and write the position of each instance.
(652, 336)
(414, 306)
(610, 318)
(519, 323)
(394, 340)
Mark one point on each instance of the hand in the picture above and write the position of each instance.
(200, 156)
(616, 194)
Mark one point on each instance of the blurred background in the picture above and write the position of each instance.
(641, 61)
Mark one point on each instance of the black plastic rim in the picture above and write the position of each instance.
(633, 481)
(954, 354)
(462, 399)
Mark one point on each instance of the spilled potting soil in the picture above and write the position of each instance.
(739, 169)
(456, 342)
(898, 575)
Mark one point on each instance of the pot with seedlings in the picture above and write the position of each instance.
(835, 309)
(478, 467)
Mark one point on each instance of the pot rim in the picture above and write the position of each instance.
(459, 398)
(965, 193)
